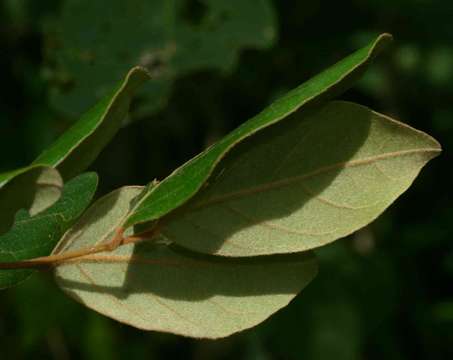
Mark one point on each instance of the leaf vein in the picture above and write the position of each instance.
(254, 221)
(294, 179)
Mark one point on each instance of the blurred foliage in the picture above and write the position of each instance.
(385, 292)
(95, 42)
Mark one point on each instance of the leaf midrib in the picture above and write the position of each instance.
(138, 209)
(291, 180)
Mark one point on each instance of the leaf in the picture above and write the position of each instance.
(302, 183)
(34, 188)
(74, 151)
(29, 188)
(171, 38)
(34, 236)
(157, 286)
(186, 181)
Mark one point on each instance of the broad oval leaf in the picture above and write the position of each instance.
(34, 236)
(153, 285)
(184, 183)
(34, 188)
(74, 151)
(302, 183)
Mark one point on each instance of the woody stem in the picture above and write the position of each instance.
(44, 261)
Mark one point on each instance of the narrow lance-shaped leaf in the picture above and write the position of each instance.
(34, 188)
(184, 183)
(34, 236)
(81, 144)
(302, 183)
(157, 286)
(74, 151)
(28, 188)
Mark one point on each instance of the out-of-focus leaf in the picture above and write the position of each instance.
(186, 181)
(439, 67)
(302, 183)
(157, 286)
(171, 38)
(74, 151)
(34, 236)
(34, 188)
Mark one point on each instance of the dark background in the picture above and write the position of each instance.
(384, 293)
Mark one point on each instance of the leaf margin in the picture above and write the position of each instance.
(142, 212)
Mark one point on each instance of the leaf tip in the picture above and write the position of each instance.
(94, 177)
(385, 37)
(135, 77)
(381, 43)
(139, 70)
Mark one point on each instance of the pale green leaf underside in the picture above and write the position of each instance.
(74, 151)
(34, 188)
(156, 286)
(184, 183)
(34, 236)
(302, 183)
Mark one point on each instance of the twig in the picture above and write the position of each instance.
(45, 261)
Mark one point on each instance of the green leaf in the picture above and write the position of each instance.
(155, 285)
(34, 188)
(186, 181)
(37, 186)
(302, 183)
(171, 38)
(74, 151)
(34, 236)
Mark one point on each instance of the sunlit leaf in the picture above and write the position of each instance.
(34, 188)
(34, 236)
(303, 183)
(157, 286)
(186, 181)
